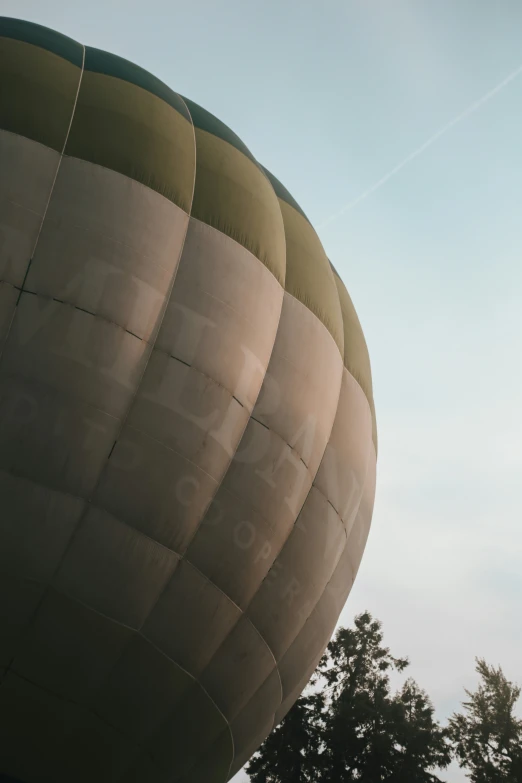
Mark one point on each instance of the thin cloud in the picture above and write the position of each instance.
(415, 154)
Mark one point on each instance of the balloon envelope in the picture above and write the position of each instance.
(187, 431)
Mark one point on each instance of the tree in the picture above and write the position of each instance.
(349, 726)
(291, 752)
(487, 736)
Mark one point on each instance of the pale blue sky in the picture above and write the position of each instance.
(331, 96)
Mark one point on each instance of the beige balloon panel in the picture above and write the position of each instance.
(299, 661)
(203, 437)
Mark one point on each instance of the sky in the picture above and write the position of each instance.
(333, 97)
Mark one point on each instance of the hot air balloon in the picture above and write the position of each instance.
(187, 429)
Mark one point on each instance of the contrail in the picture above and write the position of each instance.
(462, 116)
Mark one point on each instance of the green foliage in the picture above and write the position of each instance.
(349, 726)
(291, 752)
(487, 736)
